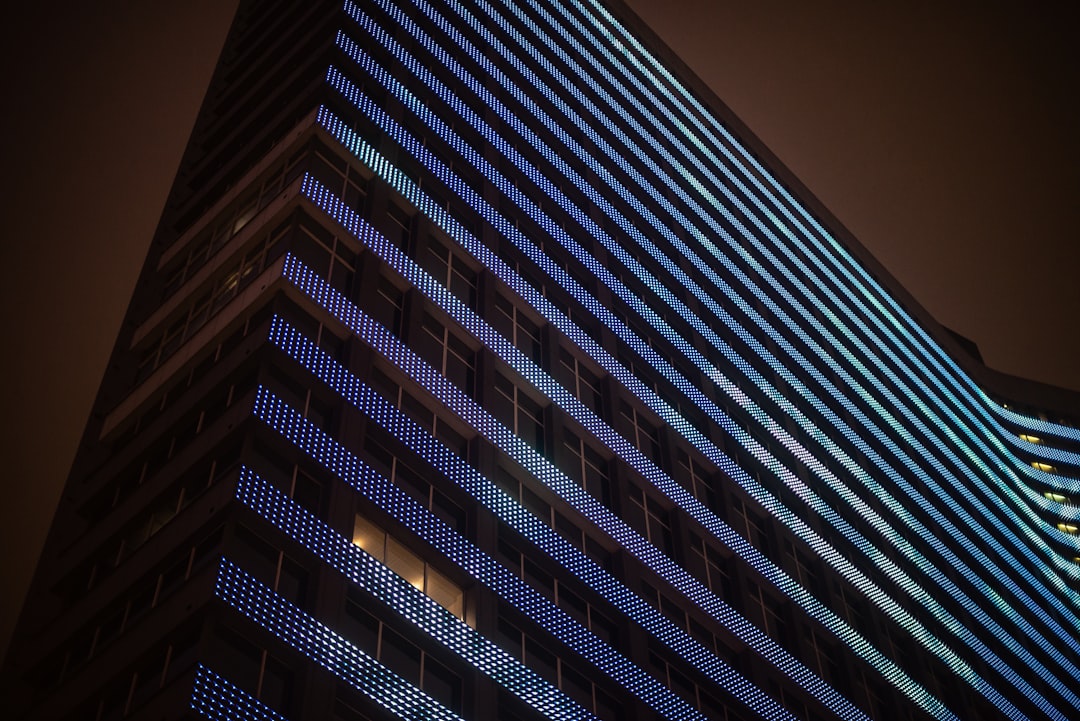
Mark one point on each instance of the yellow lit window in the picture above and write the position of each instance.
(1056, 497)
(402, 561)
(1068, 528)
(1030, 439)
(1043, 466)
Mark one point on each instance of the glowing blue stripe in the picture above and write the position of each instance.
(836, 251)
(427, 615)
(976, 610)
(366, 155)
(966, 520)
(379, 490)
(313, 359)
(1046, 428)
(220, 700)
(1032, 523)
(323, 645)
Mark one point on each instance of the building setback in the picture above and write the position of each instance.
(484, 365)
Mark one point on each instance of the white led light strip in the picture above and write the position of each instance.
(371, 575)
(220, 700)
(379, 490)
(977, 610)
(324, 646)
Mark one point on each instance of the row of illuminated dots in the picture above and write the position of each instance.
(1070, 525)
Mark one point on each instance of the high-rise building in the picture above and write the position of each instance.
(484, 366)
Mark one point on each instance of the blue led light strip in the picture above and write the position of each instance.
(1021, 650)
(891, 401)
(220, 700)
(378, 580)
(313, 359)
(323, 645)
(835, 252)
(365, 154)
(1046, 428)
(867, 480)
(1031, 522)
(380, 491)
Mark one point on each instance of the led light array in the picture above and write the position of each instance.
(365, 154)
(1032, 523)
(384, 494)
(626, 118)
(220, 700)
(1048, 647)
(953, 531)
(834, 252)
(646, 89)
(861, 508)
(969, 521)
(313, 359)
(427, 615)
(464, 316)
(1046, 428)
(324, 646)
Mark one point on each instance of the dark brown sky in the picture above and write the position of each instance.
(942, 134)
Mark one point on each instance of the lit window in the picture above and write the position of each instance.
(1057, 497)
(1029, 438)
(1042, 466)
(1068, 528)
(399, 559)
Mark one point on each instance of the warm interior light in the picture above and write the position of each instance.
(1030, 438)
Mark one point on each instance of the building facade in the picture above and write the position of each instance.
(484, 366)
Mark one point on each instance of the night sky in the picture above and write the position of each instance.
(942, 135)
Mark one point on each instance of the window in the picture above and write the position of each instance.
(518, 412)
(451, 271)
(766, 613)
(644, 435)
(565, 675)
(750, 526)
(400, 655)
(402, 561)
(512, 323)
(657, 526)
(450, 355)
(718, 576)
(580, 381)
(389, 307)
(692, 474)
(587, 467)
